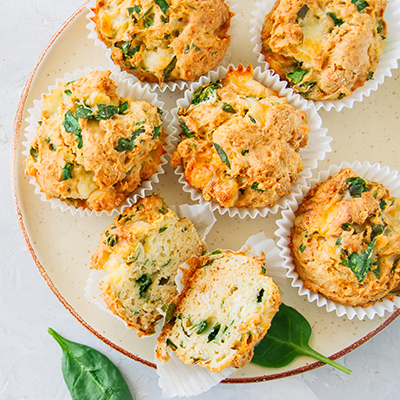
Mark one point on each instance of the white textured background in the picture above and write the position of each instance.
(30, 365)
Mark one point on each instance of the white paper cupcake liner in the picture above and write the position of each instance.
(172, 85)
(316, 149)
(203, 220)
(125, 88)
(388, 61)
(384, 176)
(179, 379)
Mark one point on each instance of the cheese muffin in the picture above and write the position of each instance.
(164, 40)
(325, 49)
(140, 253)
(240, 142)
(345, 242)
(92, 147)
(224, 310)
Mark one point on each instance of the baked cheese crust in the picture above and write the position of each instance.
(140, 253)
(240, 142)
(93, 147)
(164, 40)
(345, 241)
(224, 310)
(325, 49)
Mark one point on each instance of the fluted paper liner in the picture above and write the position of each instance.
(388, 61)
(125, 88)
(390, 180)
(316, 149)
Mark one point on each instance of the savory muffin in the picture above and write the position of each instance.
(164, 40)
(224, 310)
(325, 49)
(92, 147)
(140, 253)
(345, 241)
(240, 142)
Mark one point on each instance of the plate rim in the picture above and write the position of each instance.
(16, 135)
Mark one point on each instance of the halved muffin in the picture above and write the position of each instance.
(140, 253)
(224, 310)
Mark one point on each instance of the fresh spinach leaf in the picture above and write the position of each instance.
(356, 186)
(222, 155)
(298, 74)
(148, 18)
(361, 4)
(163, 5)
(206, 92)
(360, 263)
(337, 21)
(111, 240)
(67, 171)
(106, 111)
(89, 374)
(260, 295)
(287, 339)
(169, 68)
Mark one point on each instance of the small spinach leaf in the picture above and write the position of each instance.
(222, 155)
(144, 283)
(360, 263)
(361, 4)
(337, 21)
(71, 123)
(287, 339)
(127, 144)
(298, 74)
(163, 5)
(89, 374)
(169, 68)
(357, 186)
(206, 92)
(67, 171)
(228, 108)
(34, 153)
(186, 129)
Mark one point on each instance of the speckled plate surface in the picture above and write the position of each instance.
(61, 244)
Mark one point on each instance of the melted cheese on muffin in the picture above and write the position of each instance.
(240, 142)
(324, 49)
(345, 241)
(93, 147)
(164, 40)
(140, 253)
(224, 311)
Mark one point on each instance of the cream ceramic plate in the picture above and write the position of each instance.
(61, 244)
